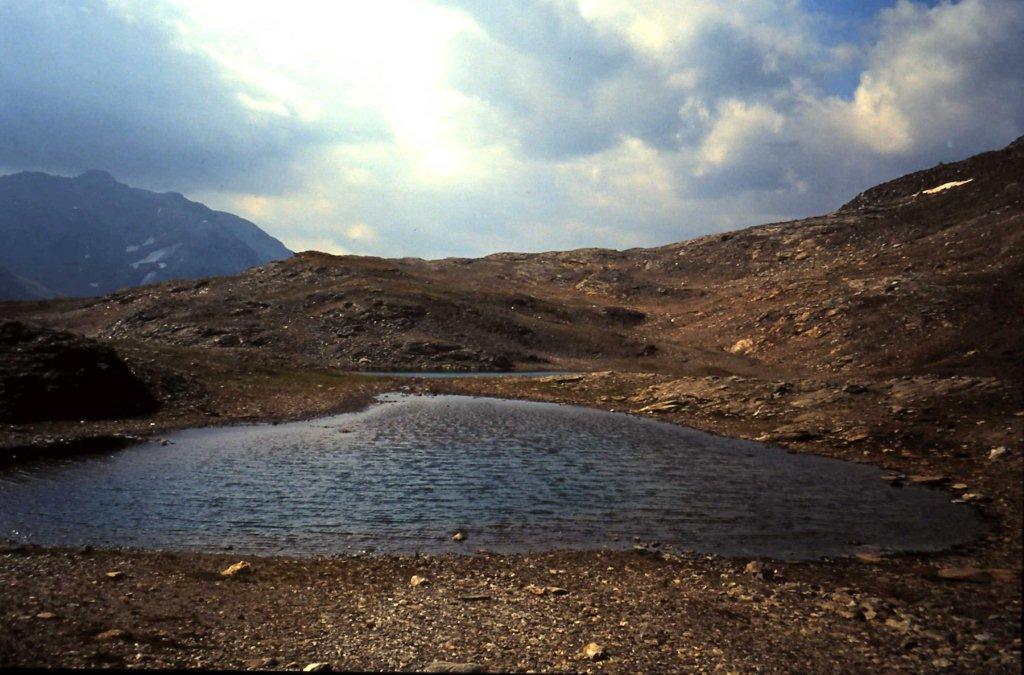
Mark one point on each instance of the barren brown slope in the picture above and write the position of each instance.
(897, 281)
(888, 332)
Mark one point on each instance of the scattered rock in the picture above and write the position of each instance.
(474, 597)
(452, 667)
(901, 625)
(594, 652)
(758, 569)
(318, 667)
(546, 590)
(870, 557)
(416, 581)
(974, 497)
(927, 479)
(240, 568)
(663, 406)
(996, 453)
(112, 634)
(46, 616)
(114, 574)
(743, 346)
(458, 536)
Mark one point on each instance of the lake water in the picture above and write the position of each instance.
(403, 475)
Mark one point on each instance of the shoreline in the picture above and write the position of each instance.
(667, 611)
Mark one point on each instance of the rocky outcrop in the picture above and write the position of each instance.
(47, 375)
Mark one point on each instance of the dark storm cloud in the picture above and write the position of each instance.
(85, 86)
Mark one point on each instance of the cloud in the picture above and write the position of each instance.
(411, 127)
(90, 84)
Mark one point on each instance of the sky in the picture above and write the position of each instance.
(435, 128)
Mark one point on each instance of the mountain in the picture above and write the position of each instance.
(91, 235)
(918, 275)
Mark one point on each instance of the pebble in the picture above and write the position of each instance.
(318, 667)
(594, 652)
(417, 581)
(927, 479)
(238, 569)
(112, 634)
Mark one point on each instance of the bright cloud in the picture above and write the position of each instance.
(453, 127)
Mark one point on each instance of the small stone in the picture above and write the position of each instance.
(46, 616)
(112, 634)
(546, 590)
(870, 557)
(594, 652)
(238, 569)
(416, 581)
(535, 589)
(927, 479)
(115, 574)
(902, 626)
(474, 597)
(742, 346)
(452, 667)
(458, 536)
(318, 667)
(996, 453)
(974, 497)
(754, 568)
(958, 486)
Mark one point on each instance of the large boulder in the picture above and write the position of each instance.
(48, 375)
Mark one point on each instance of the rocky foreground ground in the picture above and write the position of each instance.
(888, 332)
(636, 612)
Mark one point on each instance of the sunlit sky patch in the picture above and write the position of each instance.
(411, 127)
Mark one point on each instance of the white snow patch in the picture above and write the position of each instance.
(161, 265)
(149, 277)
(946, 186)
(94, 284)
(135, 247)
(156, 256)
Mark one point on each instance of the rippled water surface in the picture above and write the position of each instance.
(514, 476)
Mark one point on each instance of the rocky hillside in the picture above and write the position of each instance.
(47, 374)
(918, 275)
(91, 235)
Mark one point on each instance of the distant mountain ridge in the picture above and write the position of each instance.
(91, 235)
